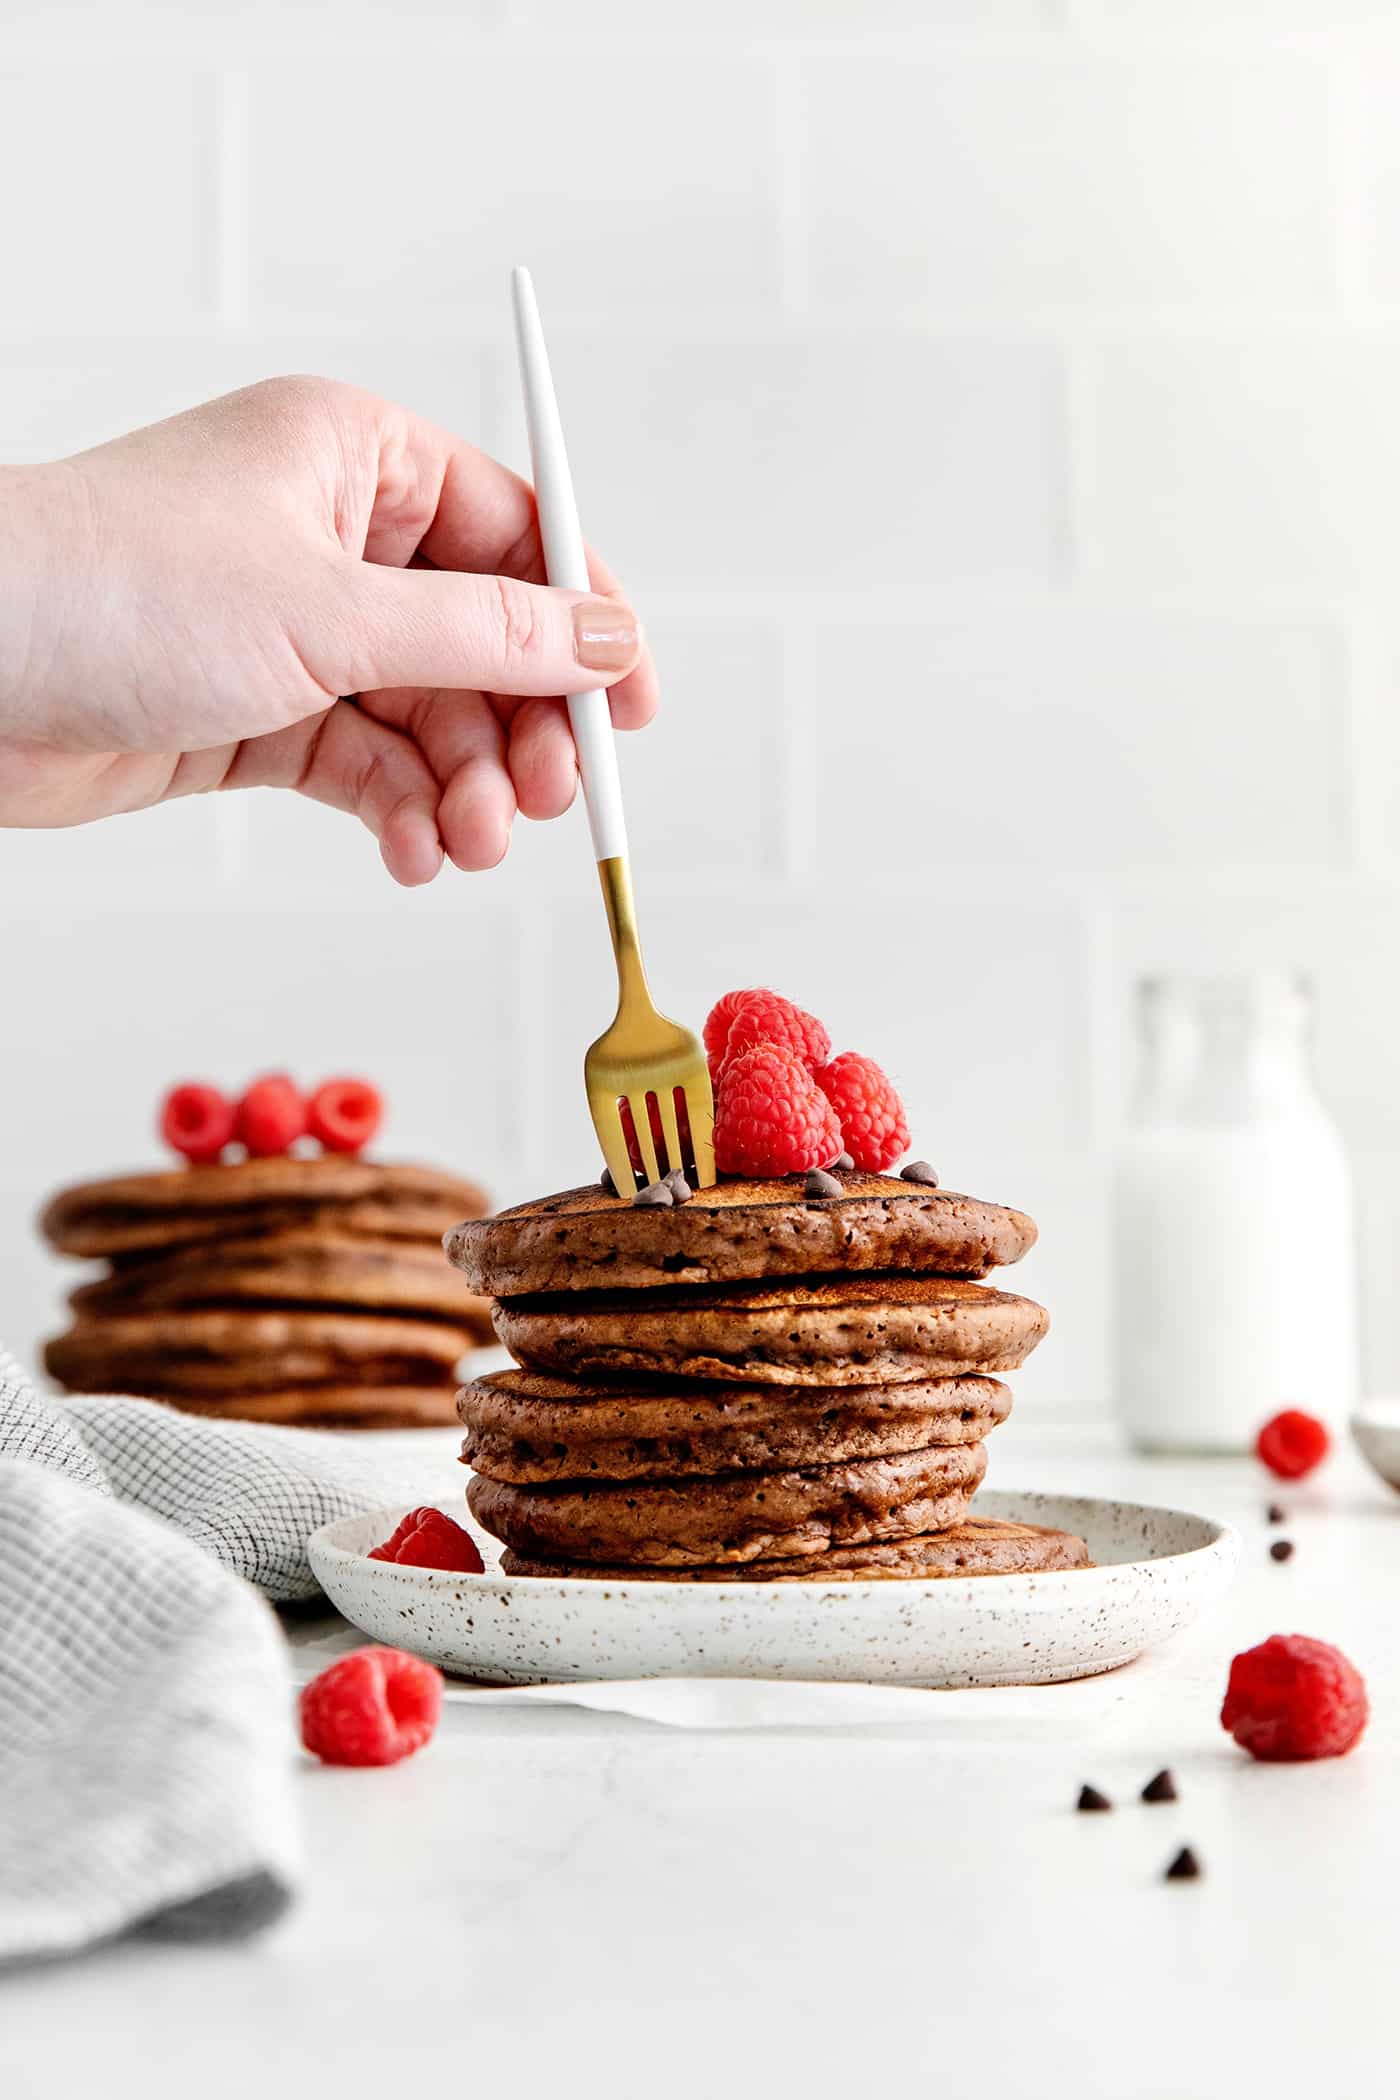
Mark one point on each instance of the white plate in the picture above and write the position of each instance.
(1376, 1429)
(1157, 1570)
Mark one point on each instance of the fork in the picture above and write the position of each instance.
(645, 1076)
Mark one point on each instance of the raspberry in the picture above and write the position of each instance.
(428, 1539)
(766, 1017)
(1293, 1443)
(772, 1118)
(271, 1116)
(718, 1024)
(344, 1114)
(372, 1707)
(1293, 1698)
(873, 1129)
(197, 1121)
(389, 1549)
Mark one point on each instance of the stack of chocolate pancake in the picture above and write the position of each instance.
(309, 1291)
(754, 1384)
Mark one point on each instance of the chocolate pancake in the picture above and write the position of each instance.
(334, 1407)
(588, 1240)
(248, 1197)
(734, 1517)
(209, 1352)
(526, 1426)
(976, 1546)
(849, 1330)
(293, 1268)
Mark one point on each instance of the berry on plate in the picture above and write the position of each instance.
(873, 1126)
(1292, 1443)
(271, 1116)
(772, 1117)
(766, 1017)
(344, 1114)
(372, 1707)
(197, 1121)
(1294, 1698)
(428, 1539)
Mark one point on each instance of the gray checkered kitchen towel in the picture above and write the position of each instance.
(146, 1739)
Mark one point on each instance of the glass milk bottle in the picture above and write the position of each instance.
(1234, 1240)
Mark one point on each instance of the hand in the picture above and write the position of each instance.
(183, 609)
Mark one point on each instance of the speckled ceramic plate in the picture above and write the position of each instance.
(1157, 1570)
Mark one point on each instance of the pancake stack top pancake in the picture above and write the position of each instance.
(754, 1384)
(300, 1290)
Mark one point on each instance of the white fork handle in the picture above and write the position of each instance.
(566, 565)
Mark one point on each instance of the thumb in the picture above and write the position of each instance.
(439, 627)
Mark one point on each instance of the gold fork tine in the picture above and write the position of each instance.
(700, 1109)
(670, 1127)
(641, 1123)
(613, 1139)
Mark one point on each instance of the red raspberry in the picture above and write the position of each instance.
(1293, 1698)
(197, 1121)
(718, 1024)
(344, 1114)
(372, 1707)
(389, 1549)
(772, 1118)
(428, 1539)
(1293, 1443)
(766, 1017)
(873, 1129)
(271, 1116)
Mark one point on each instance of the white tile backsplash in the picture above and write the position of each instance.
(1076, 740)
(1077, 182)
(193, 835)
(382, 189)
(220, 24)
(992, 406)
(108, 177)
(791, 18)
(1257, 464)
(1258, 16)
(818, 461)
(1378, 160)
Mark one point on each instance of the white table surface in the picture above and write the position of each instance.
(551, 1901)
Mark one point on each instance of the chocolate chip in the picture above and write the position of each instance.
(1091, 1801)
(1281, 1549)
(1275, 1514)
(820, 1184)
(681, 1191)
(1160, 1788)
(842, 1164)
(656, 1196)
(919, 1170)
(606, 1181)
(1185, 1867)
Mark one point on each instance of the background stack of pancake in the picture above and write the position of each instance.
(755, 1384)
(310, 1291)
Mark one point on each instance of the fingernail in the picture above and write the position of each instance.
(606, 636)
